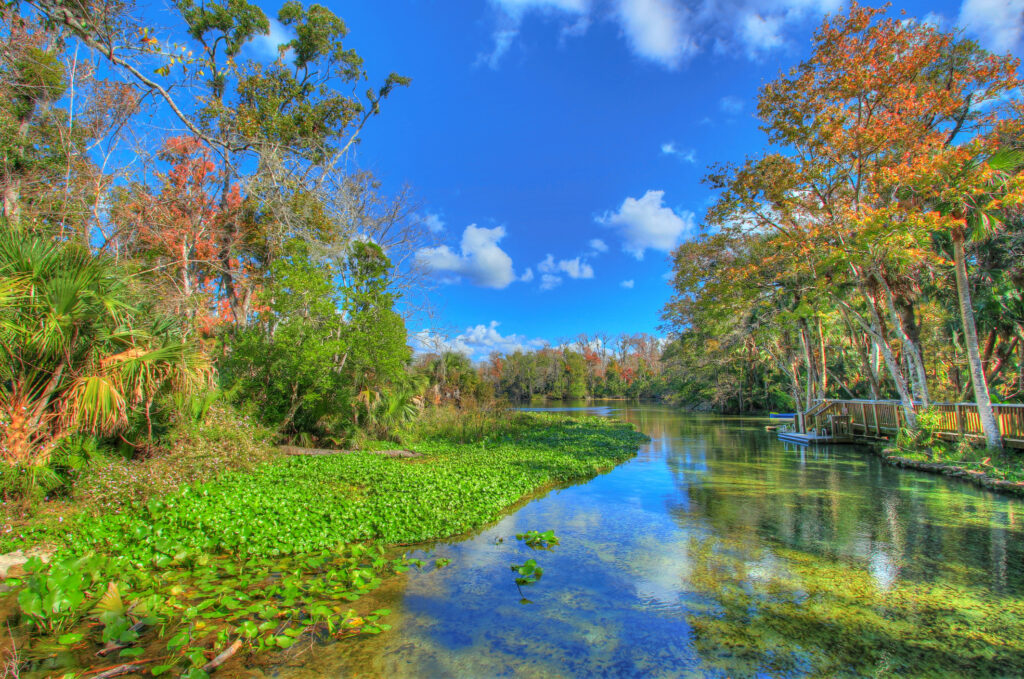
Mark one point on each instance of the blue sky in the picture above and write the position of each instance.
(561, 142)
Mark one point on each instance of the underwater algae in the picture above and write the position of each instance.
(810, 615)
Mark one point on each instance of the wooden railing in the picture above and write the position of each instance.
(877, 419)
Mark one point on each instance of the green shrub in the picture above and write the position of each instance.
(924, 439)
(193, 452)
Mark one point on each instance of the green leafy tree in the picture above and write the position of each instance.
(327, 345)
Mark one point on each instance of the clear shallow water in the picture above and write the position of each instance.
(718, 552)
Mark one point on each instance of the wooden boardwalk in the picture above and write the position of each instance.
(851, 420)
(807, 439)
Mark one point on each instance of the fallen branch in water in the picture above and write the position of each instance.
(127, 668)
(223, 657)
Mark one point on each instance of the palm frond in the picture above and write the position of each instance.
(95, 404)
(1007, 160)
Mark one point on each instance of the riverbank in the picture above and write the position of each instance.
(1003, 476)
(258, 559)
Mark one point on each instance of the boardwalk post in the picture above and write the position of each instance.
(874, 409)
(959, 420)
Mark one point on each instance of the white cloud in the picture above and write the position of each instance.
(476, 342)
(510, 15)
(527, 275)
(573, 268)
(646, 223)
(480, 260)
(730, 105)
(598, 245)
(549, 281)
(798, 8)
(433, 222)
(481, 340)
(520, 7)
(669, 32)
(265, 47)
(575, 30)
(760, 34)
(998, 24)
(656, 30)
(688, 155)
(503, 39)
(627, 284)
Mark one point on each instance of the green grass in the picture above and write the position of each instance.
(1006, 464)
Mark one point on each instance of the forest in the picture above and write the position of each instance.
(147, 274)
(875, 249)
(598, 366)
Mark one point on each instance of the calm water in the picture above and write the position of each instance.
(717, 552)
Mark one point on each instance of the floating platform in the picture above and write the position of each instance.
(807, 439)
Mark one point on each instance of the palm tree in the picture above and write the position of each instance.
(974, 189)
(76, 356)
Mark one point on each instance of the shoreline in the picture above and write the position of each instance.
(977, 478)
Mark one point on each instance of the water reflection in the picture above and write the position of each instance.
(719, 552)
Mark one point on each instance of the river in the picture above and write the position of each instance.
(716, 552)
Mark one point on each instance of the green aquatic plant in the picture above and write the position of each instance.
(803, 614)
(262, 558)
(527, 573)
(196, 604)
(537, 540)
(305, 504)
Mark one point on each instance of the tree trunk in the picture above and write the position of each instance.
(911, 353)
(823, 365)
(981, 397)
(900, 381)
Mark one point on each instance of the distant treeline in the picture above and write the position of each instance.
(627, 366)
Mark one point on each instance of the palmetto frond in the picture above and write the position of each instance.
(95, 403)
(77, 357)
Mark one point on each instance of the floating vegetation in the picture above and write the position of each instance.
(265, 559)
(185, 615)
(529, 572)
(537, 540)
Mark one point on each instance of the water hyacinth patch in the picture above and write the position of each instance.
(265, 558)
(310, 503)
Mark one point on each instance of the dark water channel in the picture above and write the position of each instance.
(718, 552)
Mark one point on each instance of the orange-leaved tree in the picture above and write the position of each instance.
(876, 94)
(183, 230)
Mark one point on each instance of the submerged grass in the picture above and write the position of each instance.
(793, 613)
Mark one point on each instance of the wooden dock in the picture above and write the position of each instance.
(808, 439)
(844, 421)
